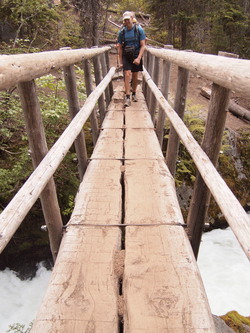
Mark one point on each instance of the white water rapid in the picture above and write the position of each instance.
(224, 268)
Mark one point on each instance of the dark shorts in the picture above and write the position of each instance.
(129, 66)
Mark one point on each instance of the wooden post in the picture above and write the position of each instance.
(111, 90)
(179, 107)
(145, 56)
(155, 76)
(104, 73)
(211, 144)
(166, 66)
(38, 147)
(150, 71)
(89, 89)
(146, 90)
(74, 107)
(98, 78)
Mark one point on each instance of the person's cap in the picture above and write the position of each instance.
(126, 16)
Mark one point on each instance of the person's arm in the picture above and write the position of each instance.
(142, 48)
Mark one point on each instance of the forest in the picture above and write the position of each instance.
(205, 26)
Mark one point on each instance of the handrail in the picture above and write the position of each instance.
(16, 210)
(228, 203)
(25, 67)
(230, 73)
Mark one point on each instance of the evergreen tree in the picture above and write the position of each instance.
(31, 19)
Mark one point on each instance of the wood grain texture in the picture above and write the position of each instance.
(234, 213)
(162, 287)
(113, 119)
(114, 106)
(150, 195)
(142, 143)
(25, 67)
(135, 119)
(83, 290)
(109, 144)
(233, 74)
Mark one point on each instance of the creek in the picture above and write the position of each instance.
(223, 265)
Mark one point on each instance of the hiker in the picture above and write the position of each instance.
(131, 45)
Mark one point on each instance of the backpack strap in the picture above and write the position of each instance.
(136, 34)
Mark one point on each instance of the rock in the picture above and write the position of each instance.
(221, 326)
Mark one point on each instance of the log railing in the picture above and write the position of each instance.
(226, 74)
(21, 70)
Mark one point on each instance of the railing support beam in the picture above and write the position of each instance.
(38, 147)
(111, 90)
(211, 145)
(74, 107)
(98, 78)
(155, 77)
(89, 89)
(166, 66)
(179, 107)
(104, 73)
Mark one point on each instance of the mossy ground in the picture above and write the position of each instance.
(237, 322)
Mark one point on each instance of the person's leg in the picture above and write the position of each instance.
(134, 85)
(127, 76)
(134, 81)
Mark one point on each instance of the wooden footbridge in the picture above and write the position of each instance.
(126, 260)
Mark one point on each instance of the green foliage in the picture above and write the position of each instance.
(234, 320)
(19, 328)
(15, 162)
(204, 26)
(69, 32)
(32, 19)
(243, 145)
(230, 25)
(14, 158)
(185, 168)
(135, 6)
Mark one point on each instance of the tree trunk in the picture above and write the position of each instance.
(89, 16)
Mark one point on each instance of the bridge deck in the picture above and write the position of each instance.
(138, 278)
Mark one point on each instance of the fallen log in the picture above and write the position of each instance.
(233, 107)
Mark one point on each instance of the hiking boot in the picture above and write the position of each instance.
(134, 98)
(127, 102)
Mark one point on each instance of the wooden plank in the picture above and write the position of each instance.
(162, 287)
(135, 119)
(118, 95)
(83, 290)
(148, 187)
(137, 106)
(113, 119)
(109, 144)
(141, 144)
(114, 106)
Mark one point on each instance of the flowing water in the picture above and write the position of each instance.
(224, 268)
